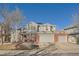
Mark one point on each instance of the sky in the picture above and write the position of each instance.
(57, 14)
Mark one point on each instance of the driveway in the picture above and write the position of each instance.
(59, 49)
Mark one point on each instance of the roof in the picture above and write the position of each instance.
(47, 24)
(70, 27)
(74, 33)
(39, 23)
(32, 22)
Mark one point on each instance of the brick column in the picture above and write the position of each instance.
(55, 38)
(37, 39)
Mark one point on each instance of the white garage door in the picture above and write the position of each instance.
(62, 39)
(46, 37)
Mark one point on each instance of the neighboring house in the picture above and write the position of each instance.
(71, 29)
(73, 33)
(4, 34)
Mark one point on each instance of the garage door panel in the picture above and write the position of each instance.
(62, 39)
(46, 37)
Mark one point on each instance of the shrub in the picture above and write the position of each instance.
(78, 40)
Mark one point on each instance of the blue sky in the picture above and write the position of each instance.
(58, 14)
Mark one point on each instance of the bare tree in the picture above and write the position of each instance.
(4, 12)
(10, 18)
(16, 17)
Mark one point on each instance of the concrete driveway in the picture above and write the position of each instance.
(60, 49)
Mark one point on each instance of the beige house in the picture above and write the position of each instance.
(46, 27)
(39, 34)
(45, 32)
(40, 27)
(32, 26)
